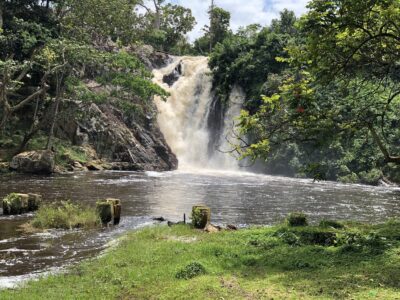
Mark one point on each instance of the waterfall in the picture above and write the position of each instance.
(183, 118)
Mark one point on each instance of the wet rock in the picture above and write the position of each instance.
(171, 78)
(16, 203)
(201, 216)
(37, 162)
(159, 219)
(151, 58)
(94, 166)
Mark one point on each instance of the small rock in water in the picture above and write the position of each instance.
(159, 219)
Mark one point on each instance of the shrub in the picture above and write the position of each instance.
(297, 219)
(331, 223)
(65, 215)
(190, 271)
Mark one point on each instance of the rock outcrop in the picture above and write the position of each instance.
(124, 143)
(38, 162)
(173, 77)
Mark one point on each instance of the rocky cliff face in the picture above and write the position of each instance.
(121, 143)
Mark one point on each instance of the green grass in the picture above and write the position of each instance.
(363, 262)
(65, 215)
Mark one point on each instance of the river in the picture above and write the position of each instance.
(234, 197)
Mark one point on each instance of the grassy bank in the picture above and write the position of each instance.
(280, 262)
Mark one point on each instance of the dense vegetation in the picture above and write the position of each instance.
(65, 215)
(53, 51)
(331, 261)
(323, 92)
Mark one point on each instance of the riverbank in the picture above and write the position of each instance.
(279, 262)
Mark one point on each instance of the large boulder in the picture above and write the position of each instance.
(38, 162)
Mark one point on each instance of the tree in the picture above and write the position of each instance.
(172, 23)
(216, 32)
(358, 39)
(339, 97)
(115, 20)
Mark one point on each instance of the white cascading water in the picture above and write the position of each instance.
(183, 117)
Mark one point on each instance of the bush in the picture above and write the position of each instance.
(65, 215)
(372, 177)
(190, 271)
(331, 223)
(297, 219)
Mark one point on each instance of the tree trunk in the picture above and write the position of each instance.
(382, 147)
(32, 130)
(211, 25)
(157, 17)
(54, 119)
(1, 16)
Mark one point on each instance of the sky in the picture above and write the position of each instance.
(243, 12)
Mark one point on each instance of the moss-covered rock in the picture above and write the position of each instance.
(109, 211)
(201, 216)
(16, 203)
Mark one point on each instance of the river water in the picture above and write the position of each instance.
(234, 197)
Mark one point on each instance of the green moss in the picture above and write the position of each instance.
(65, 215)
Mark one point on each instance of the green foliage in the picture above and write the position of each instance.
(313, 107)
(65, 215)
(297, 219)
(190, 271)
(248, 58)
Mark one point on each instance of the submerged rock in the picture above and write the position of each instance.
(36, 162)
